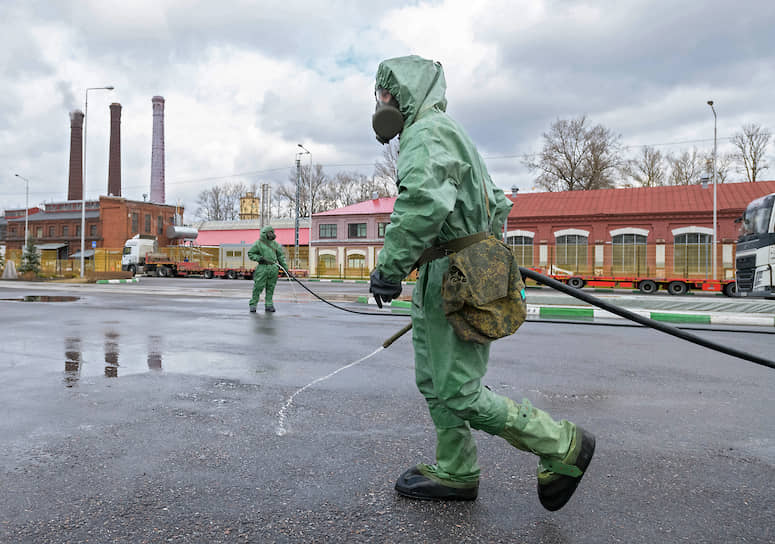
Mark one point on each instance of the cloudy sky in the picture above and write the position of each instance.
(245, 81)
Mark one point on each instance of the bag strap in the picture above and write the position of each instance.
(442, 250)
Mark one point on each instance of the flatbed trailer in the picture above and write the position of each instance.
(163, 267)
(647, 285)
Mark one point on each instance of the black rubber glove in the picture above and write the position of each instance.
(383, 290)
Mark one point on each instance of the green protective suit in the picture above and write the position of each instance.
(441, 184)
(265, 275)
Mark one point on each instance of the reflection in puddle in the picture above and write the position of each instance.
(41, 298)
(74, 357)
(154, 353)
(72, 361)
(111, 354)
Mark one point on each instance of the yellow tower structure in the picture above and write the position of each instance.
(249, 207)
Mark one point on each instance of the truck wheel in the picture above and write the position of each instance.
(648, 287)
(576, 283)
(164, 272)
(231, 274)
(730, 289)
(677, 288)
(132, 270)
(208, 274)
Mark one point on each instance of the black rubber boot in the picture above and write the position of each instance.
(415, 485)
(557, 489)
(269, 308)
(252, 309)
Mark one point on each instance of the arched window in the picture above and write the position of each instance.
(522, 247)
(571, 253)
(692, 254)
(629, 254)
(327, 264)
(356, 260)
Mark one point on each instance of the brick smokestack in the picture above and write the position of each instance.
(157, 151)
(75, 177)
(114, 162)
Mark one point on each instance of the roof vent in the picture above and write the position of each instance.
(375, 195)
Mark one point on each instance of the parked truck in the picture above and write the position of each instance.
(755, 253)
(142, 255)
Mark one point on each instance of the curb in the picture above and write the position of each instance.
(133, 280)
(594, 314)
(324, 280)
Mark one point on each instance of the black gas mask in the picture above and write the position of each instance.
(271, 235)
(387, 120)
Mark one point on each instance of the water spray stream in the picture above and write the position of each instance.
(281, 430)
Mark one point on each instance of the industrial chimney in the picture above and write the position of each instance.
(114, 162)
(75, 177)
(157, 151)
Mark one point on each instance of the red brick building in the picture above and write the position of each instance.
(110, 221)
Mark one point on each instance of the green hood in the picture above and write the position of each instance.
(418, 85)
(266, 230)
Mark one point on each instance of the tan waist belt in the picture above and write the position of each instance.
(442, 250)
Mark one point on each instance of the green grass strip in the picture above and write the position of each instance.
(680, 318)
(400, 304)
(550, 311)
(363, 300)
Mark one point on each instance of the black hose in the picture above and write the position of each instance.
(559, 286)
(291, 276)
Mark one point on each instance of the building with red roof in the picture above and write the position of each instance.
(656, 231)
(346, 241)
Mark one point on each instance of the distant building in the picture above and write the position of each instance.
(249, 207)
(110, 221)
(658, 231)
(346, 241)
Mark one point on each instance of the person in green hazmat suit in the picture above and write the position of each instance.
(267, 253)
(444, 194)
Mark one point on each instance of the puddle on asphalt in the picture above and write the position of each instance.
(41, 298)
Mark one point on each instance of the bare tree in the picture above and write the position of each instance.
(724, 163)
(648, 168)
(686, 168)
(312, 179)
(575, 157)
(751, 143)
(386, 169)
(221, 202)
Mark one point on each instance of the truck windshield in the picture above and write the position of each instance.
(756, 219)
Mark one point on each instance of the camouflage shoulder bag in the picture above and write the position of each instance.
(483, 293)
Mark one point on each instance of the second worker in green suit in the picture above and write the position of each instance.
(267, 253)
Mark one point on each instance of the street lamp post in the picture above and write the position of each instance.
(715, 231)
(26, 210)
(309, 235)
(83, 169)
(298, 190)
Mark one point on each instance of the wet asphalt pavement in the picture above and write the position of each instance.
(134, 416)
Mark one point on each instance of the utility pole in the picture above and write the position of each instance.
(715, 228)
(83, 170)
(298, 188)
(26, 211)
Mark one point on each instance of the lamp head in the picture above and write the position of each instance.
(710, 103)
